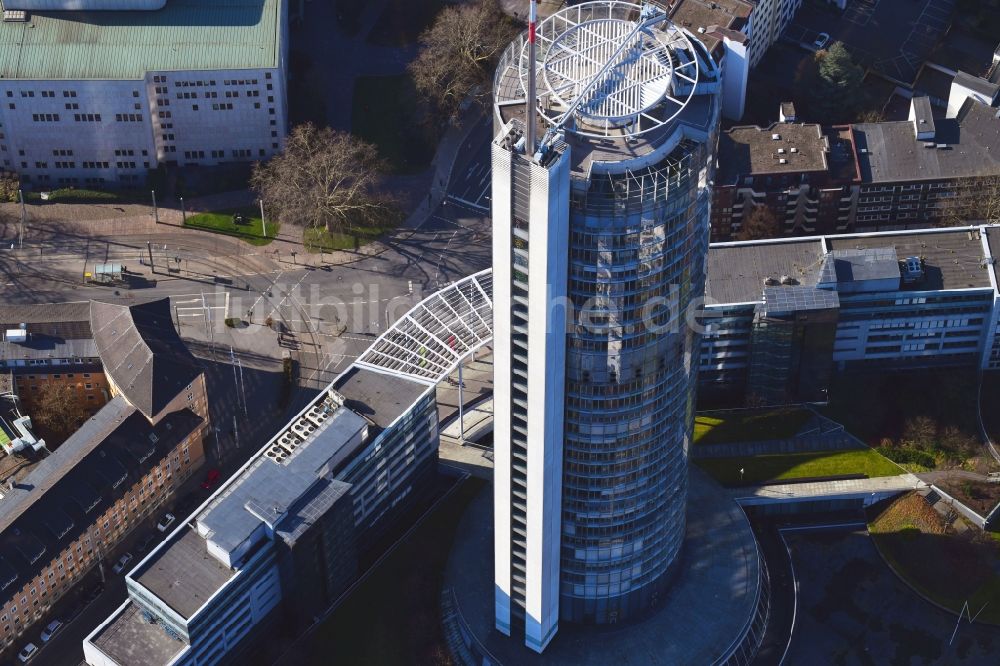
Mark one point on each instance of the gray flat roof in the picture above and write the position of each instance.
(183, 574)
(924, 113)
(976, 83)
(890, 152)
(854, 265)
(993, 240)
(379, 397)
(130, 640)
(736, 272)
(951, 259)
(46, 347)
(11, 315)
(270, 486)
(313, 506)
(752, 150)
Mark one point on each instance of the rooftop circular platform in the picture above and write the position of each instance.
(611, 64)
(715, 610)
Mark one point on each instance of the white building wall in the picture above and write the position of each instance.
(502, 221)
(735, 71)
(92, 133)
(547, 275)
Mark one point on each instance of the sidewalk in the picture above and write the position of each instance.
(869, 489)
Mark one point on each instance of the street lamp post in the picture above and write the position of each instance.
(183, 213)
(24, 216)
(156, 213)
(263, 221)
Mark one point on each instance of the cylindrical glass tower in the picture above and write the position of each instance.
(600, 239)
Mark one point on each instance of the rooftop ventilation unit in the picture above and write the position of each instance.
(787, 280)
(943, 146)
(795, 150)
(15, 16)
(782, 161)
(771, 282)
(16, 335)
(775, 137)
(781, 151)
(913, 269)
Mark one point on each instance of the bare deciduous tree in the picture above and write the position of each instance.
(760, 223)
(459, 52)
(975, 200)
(324, 178)
(58, 408)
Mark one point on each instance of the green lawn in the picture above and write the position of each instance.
(4, 439)
(758, 469)
(945, 566)
(317, 240)
(386, 113)
(748, 425)
(222, 222)
(73, 195)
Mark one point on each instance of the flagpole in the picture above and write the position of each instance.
(529, 106)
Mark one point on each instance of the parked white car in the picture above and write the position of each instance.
(166, 522)
(27, 653)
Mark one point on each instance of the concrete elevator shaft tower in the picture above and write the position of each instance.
(600, 236)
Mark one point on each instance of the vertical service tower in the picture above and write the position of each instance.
(602, 165)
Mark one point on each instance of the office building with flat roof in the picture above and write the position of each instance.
(785, 314)
(283, 533)
(598, 218)
(99, 93)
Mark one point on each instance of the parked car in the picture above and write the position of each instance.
(821, 40)
(166, 522)
(50, 631)
(122, 562)
(211, 479)
(27, 653)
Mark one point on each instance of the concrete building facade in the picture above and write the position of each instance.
(605, 215)
(807, 307)
(95, 98)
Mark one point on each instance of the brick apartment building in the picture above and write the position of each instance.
(64, 513)
(866, 177)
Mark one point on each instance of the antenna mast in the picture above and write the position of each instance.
(529, 106)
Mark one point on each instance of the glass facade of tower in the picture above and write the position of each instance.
(610, 212)
(638, 243)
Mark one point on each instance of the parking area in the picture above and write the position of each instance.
(892, 37)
